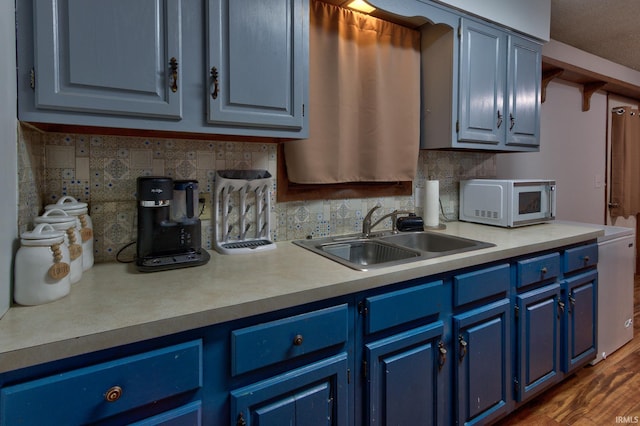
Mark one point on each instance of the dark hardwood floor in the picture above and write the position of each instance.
(605, 394)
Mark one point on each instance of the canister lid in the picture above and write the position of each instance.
(56, 217)
(42, 234)
(68, 204)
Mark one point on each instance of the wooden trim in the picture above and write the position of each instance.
(289, 191)
(116, 131)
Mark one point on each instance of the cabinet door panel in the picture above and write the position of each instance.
(538, 339)
(482, 76)
(316, 394)
(108, 57)
(256, 49)
(308, 407)
(404, 385)
(482, 355)
(581, 320)
(524, 79)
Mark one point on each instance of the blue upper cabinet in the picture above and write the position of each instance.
(481, 88)
(483, 70)
(524, 79)
(255, 52)
(500, 78)
(114, 57)
(189, 66)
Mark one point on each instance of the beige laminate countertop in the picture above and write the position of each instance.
(114, 304)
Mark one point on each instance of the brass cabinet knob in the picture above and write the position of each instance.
(543, 270)
(113, 394)
(297, 341)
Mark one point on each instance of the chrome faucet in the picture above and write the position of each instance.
(366, 222)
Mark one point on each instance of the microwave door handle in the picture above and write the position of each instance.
(552, 207)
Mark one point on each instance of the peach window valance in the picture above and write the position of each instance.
(364, 101)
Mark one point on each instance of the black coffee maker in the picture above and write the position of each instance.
(166, 242)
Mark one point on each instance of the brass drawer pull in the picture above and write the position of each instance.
(113, 394)
(544, 270)
(297, 341)
(586, 259)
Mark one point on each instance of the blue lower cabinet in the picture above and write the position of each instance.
(538, 316)
(404, 378)
(482, 351)
(316, 394)
(580, 296)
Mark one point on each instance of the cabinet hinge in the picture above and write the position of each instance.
(303, 109)
(362, 309)
(364, 369)
(457, 127)
(516, 386)
(459, 31)
(32, 79)
(517, 312)
(348, 376)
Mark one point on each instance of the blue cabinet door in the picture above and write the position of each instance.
(481, 339)
(538, 332)
(108, 57)
(580, 297)
(483, 70)
(524, 76)
(257, 56)
(404, 378)
(316, 394)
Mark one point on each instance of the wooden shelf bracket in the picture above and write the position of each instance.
(547, 76)
(588, 90)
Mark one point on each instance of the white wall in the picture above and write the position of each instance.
(8, 159)
(573, 152)
(529, 17)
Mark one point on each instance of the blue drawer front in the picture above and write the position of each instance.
(190, 414)
(536, 269)
(398, 307)
(79, 396)
(264, 344)
(478, 285)
(580, 257)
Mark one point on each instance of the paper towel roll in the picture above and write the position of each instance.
(432, 203)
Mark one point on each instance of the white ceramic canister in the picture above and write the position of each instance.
(61, 221)
(80, 210)
(42, 266)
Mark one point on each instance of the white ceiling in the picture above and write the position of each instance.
(606, 28)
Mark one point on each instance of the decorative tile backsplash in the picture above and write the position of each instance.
(102, 171)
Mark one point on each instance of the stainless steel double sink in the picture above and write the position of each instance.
(388, 249)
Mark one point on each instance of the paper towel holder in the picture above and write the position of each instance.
(432, 206)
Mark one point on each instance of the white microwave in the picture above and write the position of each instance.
(507, 202)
